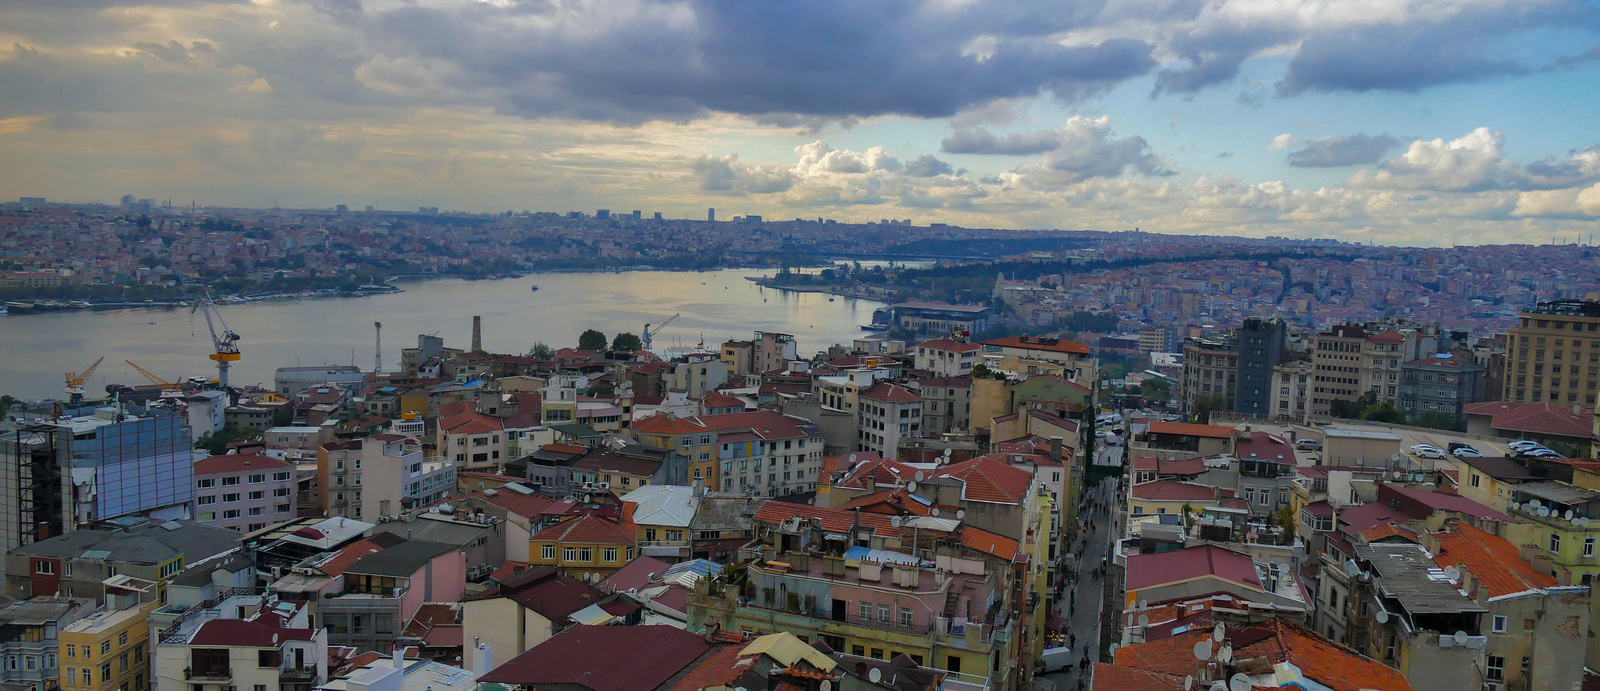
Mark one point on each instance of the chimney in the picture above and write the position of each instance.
(477, 333)
(1055, 447)
(399, 657)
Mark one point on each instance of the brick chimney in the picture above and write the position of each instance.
(477, 333)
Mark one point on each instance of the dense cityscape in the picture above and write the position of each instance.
(1108, 460)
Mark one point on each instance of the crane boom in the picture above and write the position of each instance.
(650, 333)
(225, 343)
(75, 381)
(168, 389)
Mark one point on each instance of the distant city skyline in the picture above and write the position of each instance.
(1416, 123)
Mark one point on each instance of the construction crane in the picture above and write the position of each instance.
(75, 382)
(650, 333)
(168, 389)
(226, 343)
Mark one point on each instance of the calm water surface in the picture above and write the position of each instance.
(36, 349)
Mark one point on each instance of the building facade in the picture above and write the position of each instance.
(244, 492)
(1553, 354)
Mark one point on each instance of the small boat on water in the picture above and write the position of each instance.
(535, 287)
(78, 304)
(19, 305)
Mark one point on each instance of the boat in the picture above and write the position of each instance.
(536, 287)
(78, 304)
(19, 305)
(875, 327)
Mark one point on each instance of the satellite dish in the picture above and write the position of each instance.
(1202, 650)
(1351, 568)
(1219, 632)
(1395, 458)
(1144, 604)
(961, 513)
(934, 511)
(1461, 638)
(1144, 620)
(826, 685)
(1583, 522)
(1383, 617)
(852, 458)
(1544, 511)
(894, 521)
(1452, 573)
(1112, 650)
(1227, 653)
(912, 486)
(874, 675)
(1219, 686)
(947, 453)
(1534, 503)
(918, 477)
(1568, 515)
(1188, 683)
(1239, 682)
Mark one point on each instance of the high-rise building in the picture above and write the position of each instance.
(1260, 349)
(1210, 373)
(602, 214)
(1553, 354)
(711, 215)
(58, 475)
(1336, 366)
(637, 214)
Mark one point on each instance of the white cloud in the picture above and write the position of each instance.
(1282, 141)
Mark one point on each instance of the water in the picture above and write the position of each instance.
(36, 349)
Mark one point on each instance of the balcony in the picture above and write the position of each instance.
(209, 674)
(297, 675)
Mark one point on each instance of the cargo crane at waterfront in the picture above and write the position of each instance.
(168, 389)
(75, 382)
(650, 333)
(225, 343)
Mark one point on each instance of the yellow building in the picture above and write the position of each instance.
(684, 436)
(106, 651)
(1546, 337)
(589, 548)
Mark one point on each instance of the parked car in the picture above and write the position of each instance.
(1308, 444)
(1427, 451)
(1055, 659)
(1525, 445)
(1467, 452)
(1542, 453)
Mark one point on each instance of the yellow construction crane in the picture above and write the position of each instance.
(75, 382)
(168, 389)
(226, 342)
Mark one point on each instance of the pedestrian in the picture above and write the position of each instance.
(1072, 640)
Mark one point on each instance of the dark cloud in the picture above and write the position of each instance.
(978, 140)
(926, 166)
(1348, 150)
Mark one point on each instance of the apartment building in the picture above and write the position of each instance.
(760, 451)
(664, 515)
(946, 404)
(1260, 346)
(772, 351)
(946, 357)
(888, 414)
(1291, 389)
(256, 643)
(586, 547)
(383, 590)
(379, 476)
(1336, 365)
(1210, 373)
(1076, 356)
(1441, 385)
(1553, 354)
(29, 641)
(244, 492)
(78, 563)
(1414, 619)
(107, 649)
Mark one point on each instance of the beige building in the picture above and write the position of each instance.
(1291, 389)
(1336, 367)
(381, 475)
(527, 609)
(1553, 354)
(1210, 372)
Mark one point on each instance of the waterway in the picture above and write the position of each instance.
(37, 349)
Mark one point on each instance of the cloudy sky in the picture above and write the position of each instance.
(1396, 121)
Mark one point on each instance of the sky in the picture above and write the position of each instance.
(1414, 122)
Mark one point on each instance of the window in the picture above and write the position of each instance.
(858, 651)
(1475, 479)
(1588, 547)
(231, 480)
(203, 483)
(105, 672)
(905, 617)
(548, 552)
(230, 513)
(281, 477)
(258, 510)
(1496, 671)
(877, 653)
(262, 494)
(47, 568)
(232, 497)
(649, 534)
(883, 615)
(105, 648)
(585, 554)
(569, 554)
(611, 554)
(1555, 543)
(122, 639)
(257, 478)
(1499, 623)
(281, 508)
(207, 500)
(866, 615)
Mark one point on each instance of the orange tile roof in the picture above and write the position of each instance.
(470, 423)
(1189, 429)
(719, 669)
(1116, 678)
(835, 520)
(348, 556)
(1493, 560)
(1050, 344)
(988, 543)
(1387, 530)
(988, 480)
(662, 423)
(584, 530)
(1318, 659)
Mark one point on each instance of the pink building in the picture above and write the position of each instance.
(245, 492)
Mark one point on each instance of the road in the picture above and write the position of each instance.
(1082, 624)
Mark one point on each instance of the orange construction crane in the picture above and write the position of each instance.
(75, 382)
(168, 389)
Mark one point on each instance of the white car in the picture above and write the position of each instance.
(1427, 451)
(1468, 452)
(1525, 445)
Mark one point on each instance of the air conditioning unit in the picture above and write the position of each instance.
(604, 485)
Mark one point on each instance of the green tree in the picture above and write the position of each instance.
(1353, 409)
(1383, 412)
(1203, 407)
(591, 340)
(283, 416)
(541, 351)
(217, 442)
(626, 342)
(1155, 387)
(1437, 420)
(6, 401)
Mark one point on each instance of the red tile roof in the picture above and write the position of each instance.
(584, 530)
(1189, 429)
(1033, 343)
(1387, 337)
(882, 471)
(1264, 447)
(988, 480)
(988, 543)
(1319, 660)
(889, 393)
(1440, 501)
(554, 596)
(246, 634)
(1493, 560)
(1174, 490)
(604, 658)
(238, 463)
(348, 556)
(833, 520)
(470, 423)
(1115, 678)
(662, 423)
(950, 345)
(525, 505)
(1193, 466)
(717, 670)
(1535, 418)
(1163, 568)
(720, 400)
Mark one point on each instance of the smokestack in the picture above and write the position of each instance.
(477, 333)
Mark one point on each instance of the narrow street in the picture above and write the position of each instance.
(1082, 622)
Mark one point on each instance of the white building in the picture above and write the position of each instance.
(946, 357)
(888, 413)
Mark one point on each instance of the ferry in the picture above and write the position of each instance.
(78, 304)
(18, 305)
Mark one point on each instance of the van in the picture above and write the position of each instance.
(1308, 445)
(1055, 659)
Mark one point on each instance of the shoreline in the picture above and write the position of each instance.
(766, 282)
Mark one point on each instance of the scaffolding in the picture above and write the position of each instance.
(32, 479)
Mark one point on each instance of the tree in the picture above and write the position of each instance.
(541, 351)
(6, 401)
(283, 416)
(591, 340)
(217, 442)
(1353, 409)
(1383, 412)
(1437, 420)
(626, 342)
(1155, 387)
(1204, 406)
